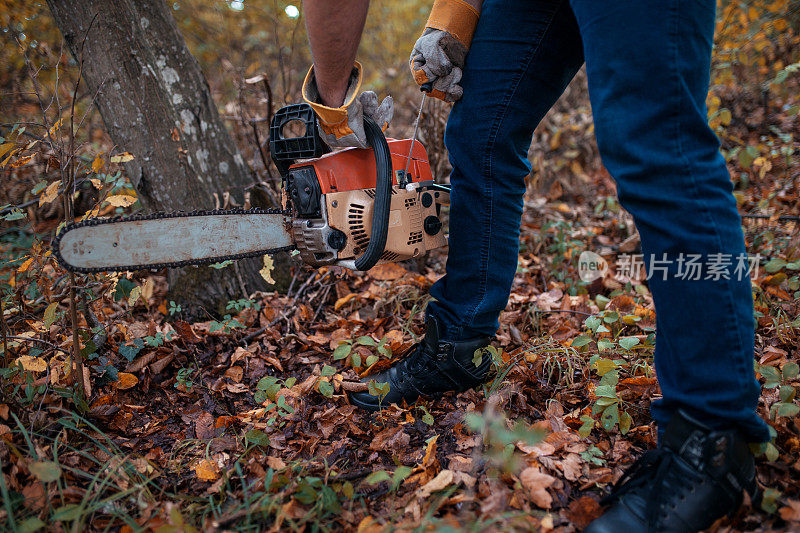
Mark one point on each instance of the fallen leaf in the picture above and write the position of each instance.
(237, 388)
(121, 200)
(31, 364)
(126, 381)
(204, 426)
(387, 272)
(124, 157)
(266, 272)
(441, 481)
(206, 470)
(391, 438)
(791, 513)
(186, 332)
(275, 463)
(582, 511)
(571, 466)
(235, 373)
(536, 482)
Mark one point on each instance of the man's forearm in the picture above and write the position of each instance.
(334, 33)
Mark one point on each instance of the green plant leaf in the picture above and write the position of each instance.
(605, 365)
(371, 360)
(787, 393)
(400, 473)
(605, 401)
(45, 471)
(628, 342)
(770, 375)
(769, 500)
(366, 340)
(30, 525)
(771, 452)
(610, 417)
(601, 301)
(342, 351)
(788, 409)
(328, 370)
(790, 371)
(257, 437)
(326, 389)
(377, 477)
(586, 428)
(605, 344)
(625, 422)
(580, 341)
(66, 513)
(611, 317)
(775, 264)
(477, 357)
(606, 391)
(592, 323)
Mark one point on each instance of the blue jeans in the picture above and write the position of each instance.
(648, 65)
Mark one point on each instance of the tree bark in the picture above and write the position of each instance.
(157, 105)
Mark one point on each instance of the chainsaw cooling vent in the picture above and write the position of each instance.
(371, 192)
(410, 203)
(389, 256)
(355, 220)
(414, 237)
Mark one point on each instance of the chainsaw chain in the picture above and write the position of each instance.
(156, 216)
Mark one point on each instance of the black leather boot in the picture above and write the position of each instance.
(695, 477)
(431, 367)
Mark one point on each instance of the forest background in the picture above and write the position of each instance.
(235, 418)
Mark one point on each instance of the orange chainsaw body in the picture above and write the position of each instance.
(354, 168)
(346, 196)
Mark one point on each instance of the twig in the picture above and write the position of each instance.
(100, 338)
(562, 311)
(41, 341)
(68, 207)
(5, 335)
(781, 218)
(324, 299)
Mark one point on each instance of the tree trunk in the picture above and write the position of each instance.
(157, 105)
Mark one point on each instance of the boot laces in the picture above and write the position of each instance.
(420, 361)
(651, 473)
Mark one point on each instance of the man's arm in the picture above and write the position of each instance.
(334, 33)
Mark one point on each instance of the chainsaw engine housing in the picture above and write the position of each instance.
(335, 208)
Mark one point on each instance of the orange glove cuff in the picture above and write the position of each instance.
(456, 17)
(331, 118)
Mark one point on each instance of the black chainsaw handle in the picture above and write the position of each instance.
(383, 196)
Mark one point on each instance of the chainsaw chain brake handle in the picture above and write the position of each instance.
(285, 151)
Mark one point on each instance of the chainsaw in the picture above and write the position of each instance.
(354, 208)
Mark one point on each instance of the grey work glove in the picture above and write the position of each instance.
(343, 126)
(439, 58)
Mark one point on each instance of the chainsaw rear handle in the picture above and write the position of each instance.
(383, 196)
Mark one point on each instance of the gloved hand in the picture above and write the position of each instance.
(439, 54)
(343, 126)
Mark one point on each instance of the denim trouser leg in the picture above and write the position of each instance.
(523, 55)
(648, 66)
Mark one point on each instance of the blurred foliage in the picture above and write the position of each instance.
(231, 40)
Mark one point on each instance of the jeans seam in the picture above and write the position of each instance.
(693, 181)
(487, 172)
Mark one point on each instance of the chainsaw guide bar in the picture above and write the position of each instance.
(163, 239)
